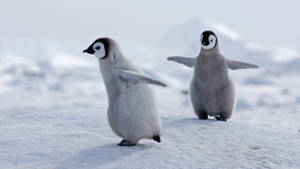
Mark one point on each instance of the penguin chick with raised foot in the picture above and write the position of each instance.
(212, 91)
(132, 112)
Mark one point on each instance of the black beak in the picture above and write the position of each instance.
(89, 50)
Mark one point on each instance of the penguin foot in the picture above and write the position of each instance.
(156, 138)
(126, 143)
(219, 118)
(203, 116)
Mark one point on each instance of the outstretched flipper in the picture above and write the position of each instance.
(234, 65)
(138, 78)
(189, 62)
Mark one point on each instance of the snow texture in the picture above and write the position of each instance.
(53, 107)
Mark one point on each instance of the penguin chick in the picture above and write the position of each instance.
(212, 91)
(132, 112)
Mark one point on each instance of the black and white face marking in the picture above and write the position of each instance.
(99, 48)
(208, 40)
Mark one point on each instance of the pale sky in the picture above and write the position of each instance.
(270, 22)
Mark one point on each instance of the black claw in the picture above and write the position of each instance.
(221, 118)
(203, 116)
(126, 143)
(156, 138)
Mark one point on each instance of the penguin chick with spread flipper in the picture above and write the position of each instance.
(132, 112)
(212, 91)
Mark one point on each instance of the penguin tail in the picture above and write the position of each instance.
(156, 138)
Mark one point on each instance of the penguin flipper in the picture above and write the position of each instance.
(137, 78)
(234, 65)
(189, 62)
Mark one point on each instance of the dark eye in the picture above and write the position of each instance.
(211, 40)
(98, 47)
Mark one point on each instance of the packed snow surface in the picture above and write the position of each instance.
(80, 138)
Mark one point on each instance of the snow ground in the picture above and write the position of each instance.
(53, 109)
(79, 137)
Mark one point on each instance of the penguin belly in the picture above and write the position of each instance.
(214, 101)
(133, 114)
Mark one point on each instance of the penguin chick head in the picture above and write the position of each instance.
(99, 48)
(208, 40)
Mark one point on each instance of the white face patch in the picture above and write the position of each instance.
(212, 40)
(99, 50)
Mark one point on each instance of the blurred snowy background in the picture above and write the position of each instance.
(41, 63)
(45, 80)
